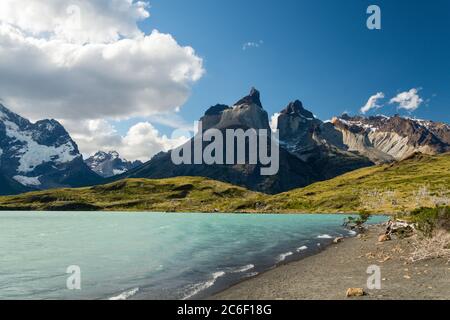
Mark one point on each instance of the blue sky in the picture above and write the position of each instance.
(100, 69)
(317, 51)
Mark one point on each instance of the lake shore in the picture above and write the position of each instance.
(328, 274)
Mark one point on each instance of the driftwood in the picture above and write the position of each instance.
(401, 229)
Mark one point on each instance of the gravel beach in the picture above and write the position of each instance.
(330, 273)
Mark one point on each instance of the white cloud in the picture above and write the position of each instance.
(372, 103)
(77, 21)
(408, 100)
(252, 44)
(85, 62)
(105, 68)
(141, 142)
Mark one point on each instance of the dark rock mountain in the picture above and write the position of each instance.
(247, 113)
(315, 142)
(252, 99)
(9, 186)
(310, 149)
(42, 155)
(109, 164)
(39, 155)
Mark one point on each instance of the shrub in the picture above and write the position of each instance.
(429, 219)
(436, 246)
(357, 222)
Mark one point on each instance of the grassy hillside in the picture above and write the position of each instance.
(176, 194)
(421, 181)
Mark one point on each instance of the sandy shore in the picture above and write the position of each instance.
(330, 273)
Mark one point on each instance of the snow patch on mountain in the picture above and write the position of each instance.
(108, 164)
(32, 154)
(28, 181)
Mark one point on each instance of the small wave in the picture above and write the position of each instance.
(204, 285)
(244, 268)
(324, 236)
(352, 233)
(125, 295)
(283, 256)
(302, 248)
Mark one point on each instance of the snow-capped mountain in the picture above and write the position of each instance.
(385, 139)
(39, 155)
(109, 164)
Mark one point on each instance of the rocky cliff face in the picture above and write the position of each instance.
(296, 168)
(384, 139)
(39, 155)
(246, 113)
(109, 164)
(315, 142)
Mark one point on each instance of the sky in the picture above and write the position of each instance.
(124, 75)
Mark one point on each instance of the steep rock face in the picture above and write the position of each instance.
(9, 186)
(40, 155)
(315, 142)
(297, 128)
(108, 164)
(384, 139)
(247, 113)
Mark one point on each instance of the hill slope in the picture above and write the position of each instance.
(185, 194)
(419, 181)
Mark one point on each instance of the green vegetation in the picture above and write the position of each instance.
(421, 181)
(428, 220)
(357, 223)
(186, 194)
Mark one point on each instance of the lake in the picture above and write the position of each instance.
(150, 255)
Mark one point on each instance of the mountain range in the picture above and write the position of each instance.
(311, 150)
(399, 187)
(39, 155)
(42, 155)
(109, 164)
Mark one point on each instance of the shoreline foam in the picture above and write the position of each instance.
(328, 274)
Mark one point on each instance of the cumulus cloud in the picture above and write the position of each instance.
(372, 103)
(141, 142)
(86, 62)
(408, 100)
(77, 21)
(104, 67)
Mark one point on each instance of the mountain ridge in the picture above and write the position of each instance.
(39, 155)
(42, 155)
(418, 181)
(109, 164)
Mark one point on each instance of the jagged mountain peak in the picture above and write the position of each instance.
(109, 164)
(296, 108)
(40, 155)
(385, 139)
(216, 110)
(246, 113)
(101, 155)
(254, 97)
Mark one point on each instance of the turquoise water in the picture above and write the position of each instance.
(149, 256)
